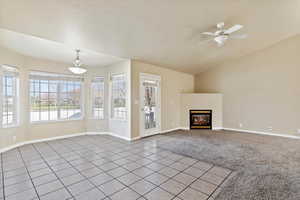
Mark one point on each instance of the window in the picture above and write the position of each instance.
(55, 97)
(118, 97)
(98, 98)
(10, 84)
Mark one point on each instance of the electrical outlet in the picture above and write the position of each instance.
(270, 128)
(241, 125)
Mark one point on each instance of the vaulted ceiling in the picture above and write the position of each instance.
(162, 32)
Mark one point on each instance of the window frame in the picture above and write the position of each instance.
(111, 115)
(92, 96)
(58, 93)
(16, 98)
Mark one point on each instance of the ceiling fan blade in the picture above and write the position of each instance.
(239, 36)
(202, 42)
(233, 29)
(208, 33)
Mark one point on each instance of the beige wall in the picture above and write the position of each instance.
(96, 125)
(27, 131)
(260, 90)
(120, 128)
(173, 83)
(195, 101)
(7, 134)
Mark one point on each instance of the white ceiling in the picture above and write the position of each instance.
(45, 49)
(163, 32)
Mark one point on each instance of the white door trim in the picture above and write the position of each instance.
(144, 76)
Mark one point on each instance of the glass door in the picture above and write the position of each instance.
(150, 104)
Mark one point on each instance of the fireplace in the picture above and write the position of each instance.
(200, 119)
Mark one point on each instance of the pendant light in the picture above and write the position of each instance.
(77, 69)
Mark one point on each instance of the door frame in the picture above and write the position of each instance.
(143, 132)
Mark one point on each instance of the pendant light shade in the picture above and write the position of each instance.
(77, 69)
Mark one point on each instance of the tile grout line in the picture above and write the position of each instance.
(168, 178)
(193, 181)
(126, 186)
(2, 176)
(220, 185)
(28, 172)
(113, 178)
(77, 170)
(179, 172)
(153, 161)
(53, 173)
(85, 178)
(80, 151)
(142, 178)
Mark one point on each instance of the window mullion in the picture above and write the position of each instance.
(58, 90)
(14, 100)
(1, 99)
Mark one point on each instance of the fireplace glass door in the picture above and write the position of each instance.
(200, 119)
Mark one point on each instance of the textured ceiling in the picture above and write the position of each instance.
(163, 32)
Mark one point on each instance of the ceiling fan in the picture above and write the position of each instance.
(222, 35)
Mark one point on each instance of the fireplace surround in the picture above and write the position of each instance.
(200, 119)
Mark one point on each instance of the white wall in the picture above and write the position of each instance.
(96, 125)
(121, 128)
(196, 101)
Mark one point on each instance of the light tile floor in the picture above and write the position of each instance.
(103, 167)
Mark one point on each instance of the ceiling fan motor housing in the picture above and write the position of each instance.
(220, 25)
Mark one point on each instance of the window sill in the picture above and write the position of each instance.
(11, 126)
(56, 121)
(99, 119)
(117, 119)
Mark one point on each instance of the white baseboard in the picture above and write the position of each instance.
(63, 137)
(187, 128)
(97, 133)
(262, 133)
(119, 136)
(39, 140)
(170, 130)
(184, 128)
(111, 134)
(241, 130)
(136, 138)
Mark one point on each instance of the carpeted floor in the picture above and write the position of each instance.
(267, 167)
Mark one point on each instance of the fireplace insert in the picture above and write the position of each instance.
(200, 119)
